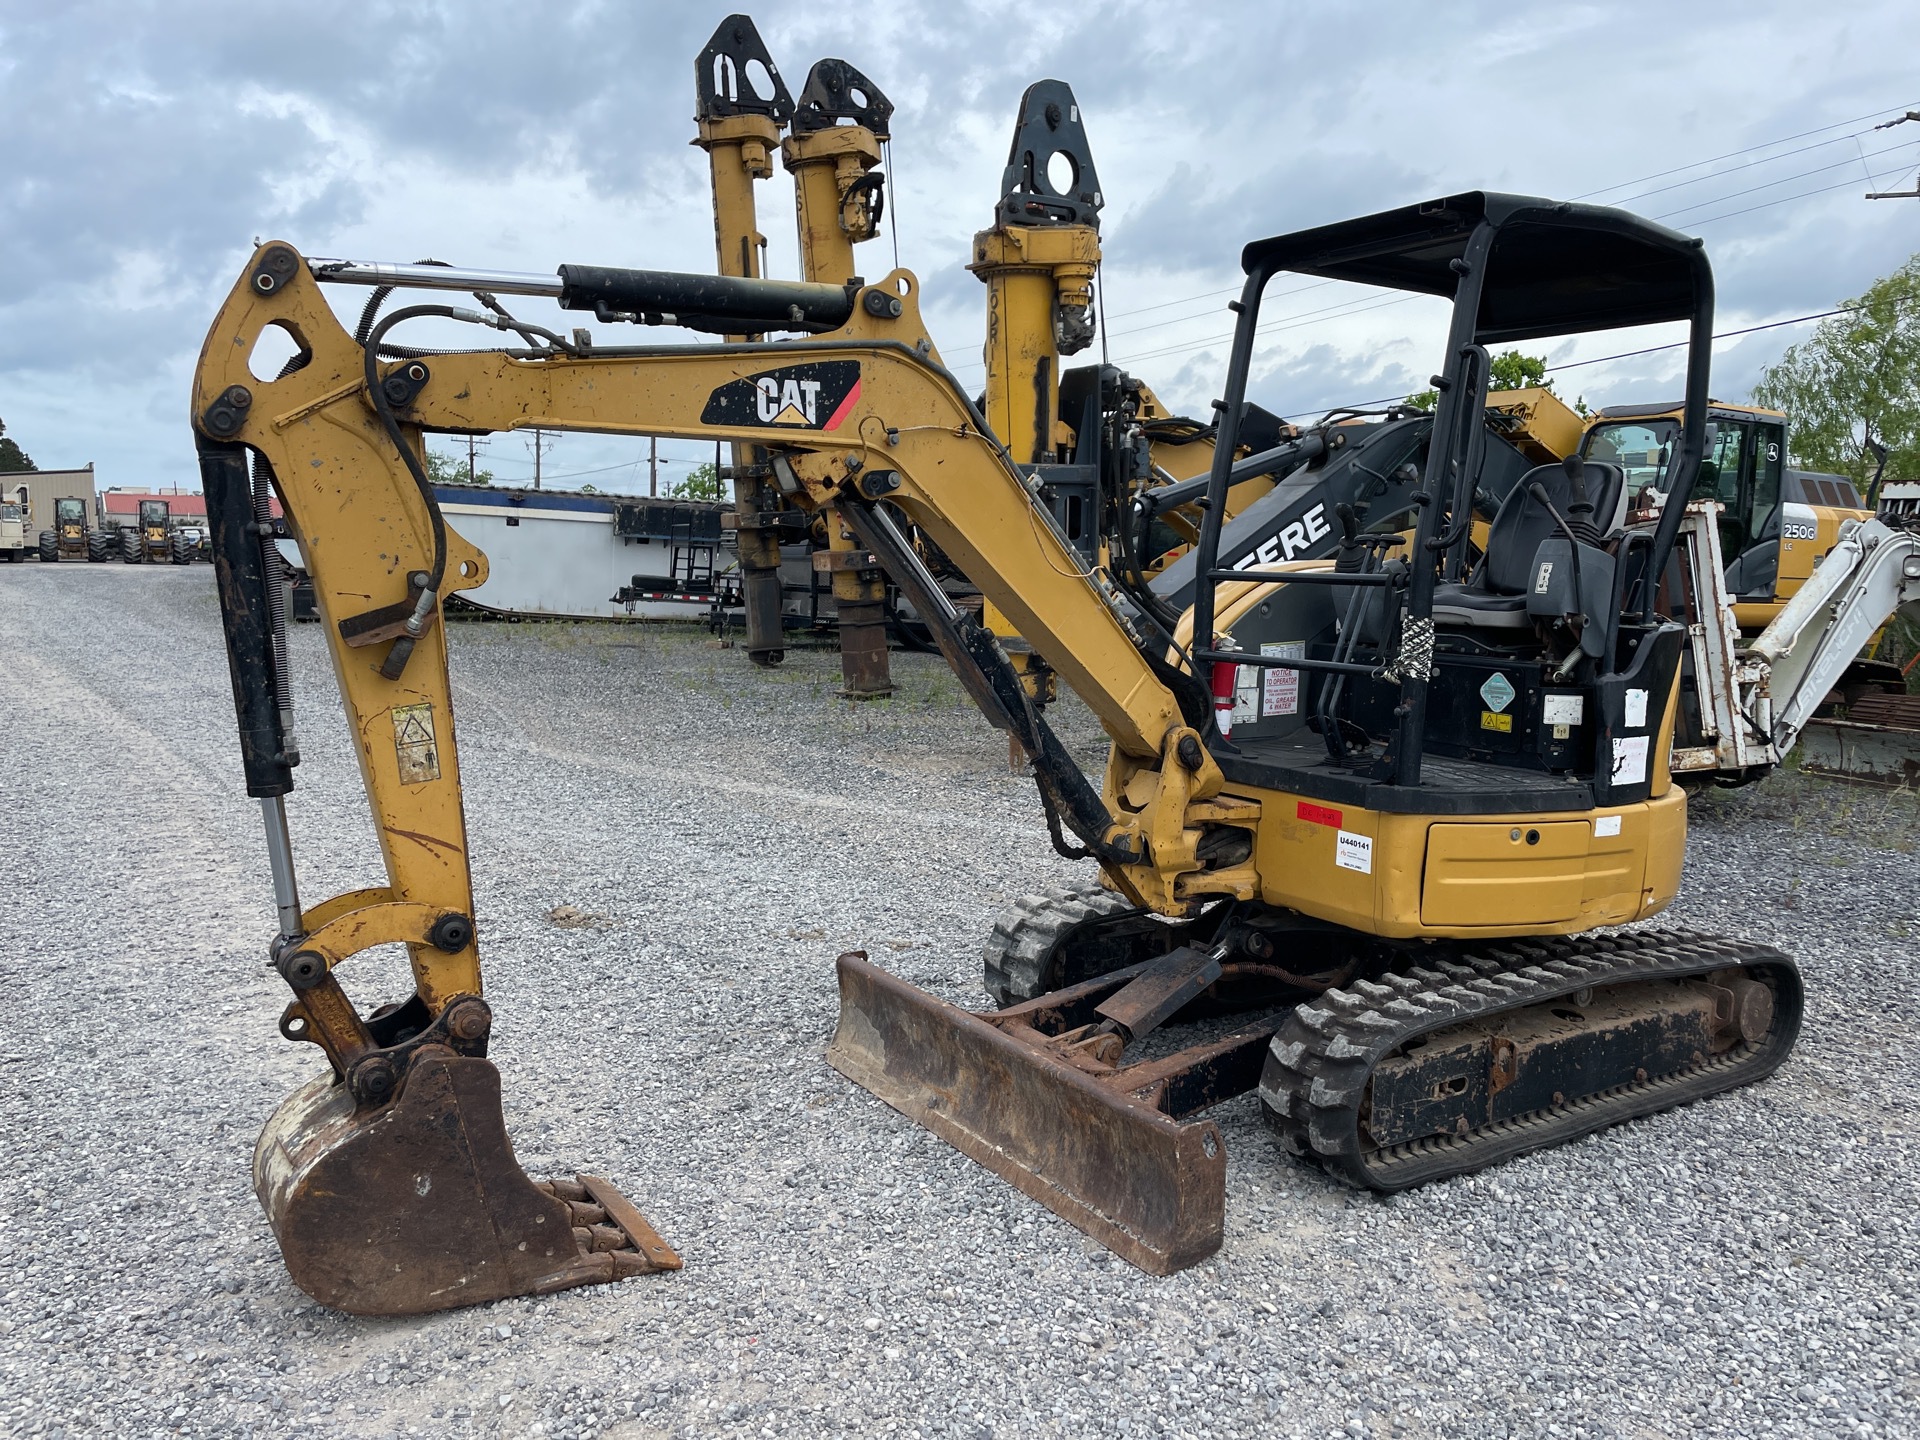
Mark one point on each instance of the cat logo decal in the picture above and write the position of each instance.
(815, 396)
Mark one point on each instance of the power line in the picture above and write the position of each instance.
(1783, 155)
(1784, 199)
(1785, 180)
(1735, 154)
(1730, 334)
(1623, 355)
(971, 365)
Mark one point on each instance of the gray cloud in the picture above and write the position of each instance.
(146, 146)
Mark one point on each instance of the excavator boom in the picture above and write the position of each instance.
(390, 1182)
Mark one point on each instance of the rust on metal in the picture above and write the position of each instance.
(1101, 1145)
(1878, 743)
(1161, 989)
(419, 1205)
(865, 671)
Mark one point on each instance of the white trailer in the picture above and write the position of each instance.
(574, 555)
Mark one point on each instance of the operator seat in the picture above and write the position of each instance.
(1494, 597)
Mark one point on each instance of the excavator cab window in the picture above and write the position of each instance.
(1763, 496)
(1642, 448)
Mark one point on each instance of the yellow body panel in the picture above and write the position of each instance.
(1800, 553)
(1437, 876)
(1544, 428)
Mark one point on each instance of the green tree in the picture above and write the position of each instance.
(1509, 370)
(452, 470)
(12, 457)
(701, 483)
(1855, 380)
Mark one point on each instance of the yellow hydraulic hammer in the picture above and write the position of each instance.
(1038, 261)
(742, 107)
(839, 126)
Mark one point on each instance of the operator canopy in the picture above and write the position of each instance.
(1555, 268)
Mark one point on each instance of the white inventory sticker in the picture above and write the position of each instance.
(1282, 695)
(1353, 852)
(1606, 825)
(1636, 709)
(1630, 758)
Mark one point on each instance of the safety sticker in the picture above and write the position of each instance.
(1546, 578)
(1318, 814)
(1562, 709)
(1246, 695)
(1497, 692)
(1606, 825)
(1353, 852)
(1636, 710)
(1630, 759)
(1491, 721)
(415, 744)
(1282, 690)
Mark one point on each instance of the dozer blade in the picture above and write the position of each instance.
(420, 1206)
(1076, 1137)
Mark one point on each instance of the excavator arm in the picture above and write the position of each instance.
(1756, 700)
(863, 416)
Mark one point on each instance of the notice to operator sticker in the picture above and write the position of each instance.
(1281, 694)
(1353, 852)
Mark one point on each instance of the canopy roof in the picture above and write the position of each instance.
(1556, 267)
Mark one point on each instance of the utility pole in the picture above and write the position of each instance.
(539, 444)
(653, 465)
(1913, 194)
(474, 443)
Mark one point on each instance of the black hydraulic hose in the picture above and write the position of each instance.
(391, 424)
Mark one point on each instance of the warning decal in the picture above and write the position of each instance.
(415, 745)
(815, 396)
(1318, 814)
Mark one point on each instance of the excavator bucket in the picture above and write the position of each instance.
(420, 1205)
(1100, 1145)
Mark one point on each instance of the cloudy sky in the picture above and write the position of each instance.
(147, 145)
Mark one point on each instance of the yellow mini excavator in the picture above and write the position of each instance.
(1410, 859)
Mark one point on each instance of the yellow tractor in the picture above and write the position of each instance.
(1410, 860)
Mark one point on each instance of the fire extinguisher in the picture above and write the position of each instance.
(1226, 677)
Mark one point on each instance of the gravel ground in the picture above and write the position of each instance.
(1746, 1266)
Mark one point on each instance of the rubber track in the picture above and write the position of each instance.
(1315, 1080)
(1029, 931)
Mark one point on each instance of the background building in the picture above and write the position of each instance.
(46, 486)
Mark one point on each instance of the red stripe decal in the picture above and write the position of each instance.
(840, 413)
(1318, 814)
